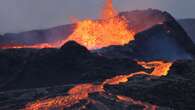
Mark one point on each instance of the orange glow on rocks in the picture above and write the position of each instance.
(129, 100)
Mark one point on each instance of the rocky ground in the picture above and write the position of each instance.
(172, 92)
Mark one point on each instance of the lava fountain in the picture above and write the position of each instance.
(110, 29)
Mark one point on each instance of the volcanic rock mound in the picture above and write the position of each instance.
(166, 41)
(73, 63)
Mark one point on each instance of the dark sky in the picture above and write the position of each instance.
(21, 15)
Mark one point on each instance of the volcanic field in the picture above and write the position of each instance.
(136, 60)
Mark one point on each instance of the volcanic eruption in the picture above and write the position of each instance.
(85, 73)
(110, 29)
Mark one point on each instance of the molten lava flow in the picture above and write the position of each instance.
(129, 100)
(86, 88)
(58, 103)
(18, 46)
(111, 30)
(82, 91)
(77, 93)
(121, 78)
(160, 68)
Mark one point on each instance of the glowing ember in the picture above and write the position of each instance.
(82, 91)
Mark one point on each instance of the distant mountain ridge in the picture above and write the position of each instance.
(38, 36)
(138, 20)
(189, 26)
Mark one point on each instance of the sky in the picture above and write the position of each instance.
(23, 15)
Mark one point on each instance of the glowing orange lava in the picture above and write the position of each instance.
(111, 30)
(58, 103)
(108, 10)
(18, 46)
(129, 100)
(160, 68)
(82, 88)
(122, 78)
(82, 91)
(93, 34)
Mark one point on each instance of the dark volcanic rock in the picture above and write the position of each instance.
(175, 90)
(166, 41)
(96, 101)
(28, 68)
(75, 49)
(17, 99)
(116, 51)
(140, 20)
(172, 92)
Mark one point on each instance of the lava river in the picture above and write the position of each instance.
(82, 91)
